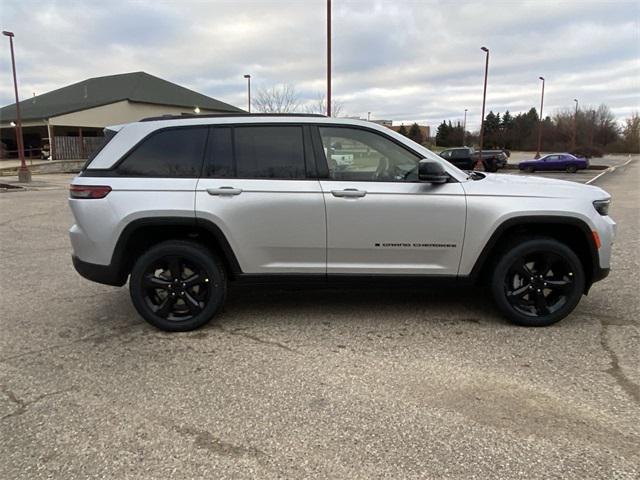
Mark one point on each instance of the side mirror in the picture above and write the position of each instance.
(431, 172)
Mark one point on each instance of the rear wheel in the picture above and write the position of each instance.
(177, 285)
(529, 169)
(537, 282)
(572, 169)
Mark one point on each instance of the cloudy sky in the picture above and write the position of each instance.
(400, 60)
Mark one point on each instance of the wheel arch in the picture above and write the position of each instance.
(143, 233)
(573, 232)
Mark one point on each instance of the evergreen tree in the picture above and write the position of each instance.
(403, 130)
(442, 135)
(415, 134)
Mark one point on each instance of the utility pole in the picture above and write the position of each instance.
(328, 58)
(464, 129)
(24, 174)
(479, 164)
(248, 77)
(575, 126)
(540, 126)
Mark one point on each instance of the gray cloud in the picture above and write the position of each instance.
(411, 60)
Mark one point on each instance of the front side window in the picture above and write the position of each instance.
(360, 155)
(269, 152)
(176, 152)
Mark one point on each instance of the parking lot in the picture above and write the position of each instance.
(383, 383)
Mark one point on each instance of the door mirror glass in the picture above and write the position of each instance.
(432, 172)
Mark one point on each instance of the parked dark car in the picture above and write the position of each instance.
(466, 157)
(555, 161)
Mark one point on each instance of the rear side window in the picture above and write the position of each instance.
(269, 152)
(175, 152)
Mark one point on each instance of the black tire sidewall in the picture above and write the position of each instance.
(524, 248)
(198, 255)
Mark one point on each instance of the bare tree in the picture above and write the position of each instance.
(319, 106)
(281, 98)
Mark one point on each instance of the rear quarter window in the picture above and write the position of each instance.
(108, 136)
(176, 152)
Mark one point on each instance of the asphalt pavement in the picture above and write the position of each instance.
(382, 383)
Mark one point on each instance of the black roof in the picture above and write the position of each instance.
(136, 87)
(234, 114)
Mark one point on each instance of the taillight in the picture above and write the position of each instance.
(88, 191)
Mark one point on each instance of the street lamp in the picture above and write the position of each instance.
(328, 58)
(368, 115)
(464, 129)
(540, 126)
(479, 165)
(24, 175)
(575, 125)
(248, 77)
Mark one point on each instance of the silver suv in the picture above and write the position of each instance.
(182, 205)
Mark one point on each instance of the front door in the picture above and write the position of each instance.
(380, 218)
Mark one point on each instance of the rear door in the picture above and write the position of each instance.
(258, 187)
(380, 218)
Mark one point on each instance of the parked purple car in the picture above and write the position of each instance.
(555, 161)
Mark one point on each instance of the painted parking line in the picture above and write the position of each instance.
(609, 170)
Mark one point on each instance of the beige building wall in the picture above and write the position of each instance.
(119, 112)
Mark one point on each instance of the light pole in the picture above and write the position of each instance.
(368, 116)
(248, 77)
(479, 165)
(24, 174)
(575, 125)
(328, 58)
(540, 126)
(464, 129)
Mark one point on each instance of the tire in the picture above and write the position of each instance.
(178, 285)
(491, 168)
(572, 169)
(529, 169)
(537, 281)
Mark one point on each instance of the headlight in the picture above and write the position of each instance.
(602, 206)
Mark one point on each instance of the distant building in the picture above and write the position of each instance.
(75, 115)
(384, 123)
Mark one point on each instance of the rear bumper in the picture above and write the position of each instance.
(600, 274)
(105, 274)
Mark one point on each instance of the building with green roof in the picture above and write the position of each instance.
(75, 115)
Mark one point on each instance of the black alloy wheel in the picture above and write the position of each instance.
(538, 282)
(175, 288)
(177, 285)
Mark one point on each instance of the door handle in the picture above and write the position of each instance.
(224, 191)
(349, 192)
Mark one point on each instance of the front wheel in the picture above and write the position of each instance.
(537, 282)
(177, 285)
(529, 169)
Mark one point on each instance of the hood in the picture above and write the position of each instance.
(499, 184)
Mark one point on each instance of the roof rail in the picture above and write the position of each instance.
(223, 115)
